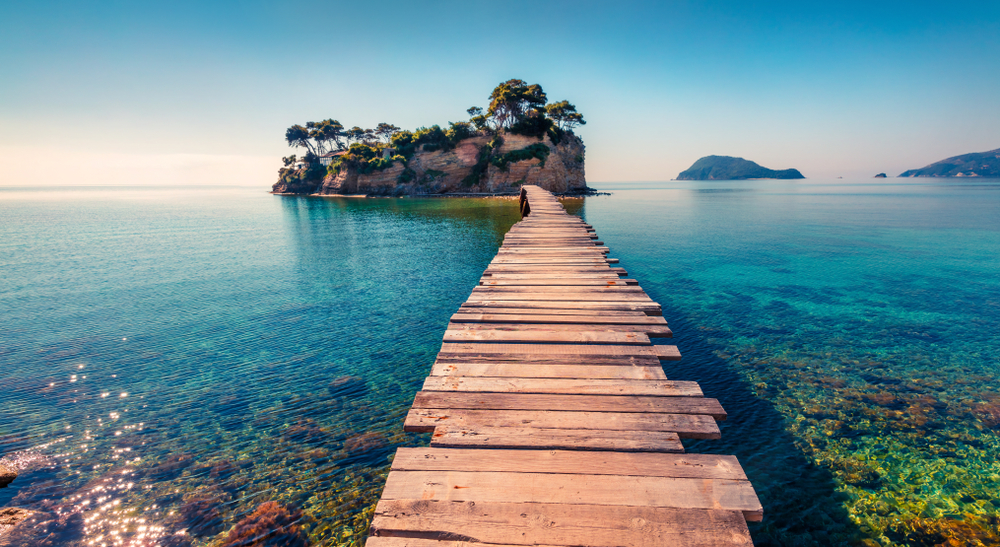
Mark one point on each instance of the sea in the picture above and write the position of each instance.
(184, 366)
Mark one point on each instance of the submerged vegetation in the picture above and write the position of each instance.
(515, 107)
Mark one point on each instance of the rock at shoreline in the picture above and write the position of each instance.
(452, 171)
(7, 475)
(979, 164)
(730, 168)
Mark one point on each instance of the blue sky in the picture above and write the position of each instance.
(202, 92)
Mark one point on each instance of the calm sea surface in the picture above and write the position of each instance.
(173, 358)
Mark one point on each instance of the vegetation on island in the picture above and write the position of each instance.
(730, 168)
(979, 164)
(515, 107)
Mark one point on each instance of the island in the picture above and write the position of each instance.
(978, 164)
(520, 138)
(730, 168)
(880, 176)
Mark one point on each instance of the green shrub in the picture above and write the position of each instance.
(406, 176)
(537, 150)
(459, 131)
(365, 158)
(482, 162)
(532, 126)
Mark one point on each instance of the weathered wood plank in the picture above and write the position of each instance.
(583, 290)
(502, 487)
(589, 319)
(486, 305)
(534, 370)
(491, 311)
(540, 336)
(677, 397)
(700, 466)
(553, 349)
(589, 386)
(556, 439)
(688, 426)
(539, 524)
(652, 331)
(553, 282)
(667, 353)
(561, 296)
(550, 359)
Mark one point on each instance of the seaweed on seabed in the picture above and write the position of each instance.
(269, 525)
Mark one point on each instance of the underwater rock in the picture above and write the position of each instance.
(348, 386)
(988, 412)
(63, 526)
(171, 468)
(11, 517)
(201, 516)
(304, 431)
(365, 442)
(947, 532)
(7, 475)
(269, 525)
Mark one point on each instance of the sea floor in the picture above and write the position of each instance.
(195, 367)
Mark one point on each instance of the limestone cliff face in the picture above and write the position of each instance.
(444, 172)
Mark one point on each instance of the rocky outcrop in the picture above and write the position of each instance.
(7, 474)
(455, 170)
(979, 164)
(730, 168)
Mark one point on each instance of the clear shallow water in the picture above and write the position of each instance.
(268, 347)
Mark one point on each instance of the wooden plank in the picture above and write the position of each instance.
(534, 370)
(555, 439)
(589, 386)
(518, 318)
(677, 397)
(389, 540)
(589, 296)
(565, 282)
(551, 359)
(649, 309)
(553, 349)
(539, 524)
(595, 276)
(651, 331)
(503, 487)
(688, 426)
(584, 290)
(586, 313)
(700, 466)
(667, 353)
(539, 336)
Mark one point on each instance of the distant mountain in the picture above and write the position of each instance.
(981, 164)
(730, 168)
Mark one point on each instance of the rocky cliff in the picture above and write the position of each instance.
(471, 166)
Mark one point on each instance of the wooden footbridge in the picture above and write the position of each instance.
(553, 422)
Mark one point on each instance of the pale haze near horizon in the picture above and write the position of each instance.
(187, 93)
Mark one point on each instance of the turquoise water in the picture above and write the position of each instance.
(172, 358)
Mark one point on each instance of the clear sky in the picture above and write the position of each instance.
(201, 92)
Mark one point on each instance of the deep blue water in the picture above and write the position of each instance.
(170, 358)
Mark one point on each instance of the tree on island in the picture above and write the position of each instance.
(565, 115)
(385, 131)
(515, 107)
(511, 102)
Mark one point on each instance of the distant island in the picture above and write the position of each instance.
(980, 164)
(520, 138)
(730, 168)
(880, 176)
